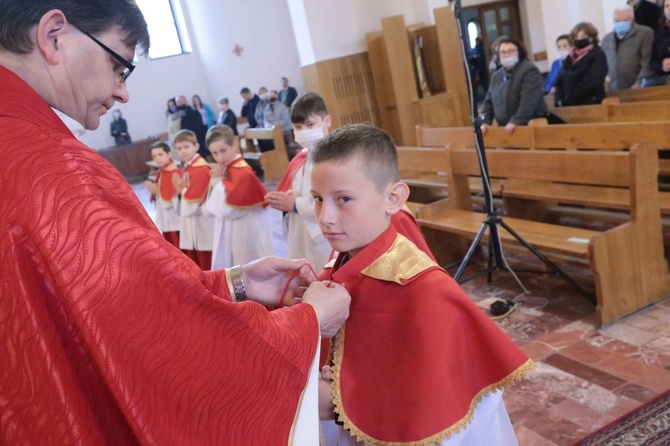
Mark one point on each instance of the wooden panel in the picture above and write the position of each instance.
(347, 87)
(582, 114)
(402, 74)
(130, 159)
(379, 66)
(495, 137)
(431, 57)
(603, 136)
(451, 58)
(440, 110)
(645, 94)
(561, 166)
(639, 112)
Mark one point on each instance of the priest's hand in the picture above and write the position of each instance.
(326, 406)
(282, 201)
(331, 303)
(274, 281)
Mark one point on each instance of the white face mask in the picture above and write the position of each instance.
(265, 96)
(509, 62)
(309, 137)
(563, 54)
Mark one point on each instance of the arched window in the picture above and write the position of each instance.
(474, 31)
(166, 28)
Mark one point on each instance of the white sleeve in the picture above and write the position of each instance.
(304, 204)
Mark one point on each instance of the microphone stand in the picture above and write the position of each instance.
(497, 261)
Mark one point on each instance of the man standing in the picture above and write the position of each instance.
(628, 50)
(647, 13)
(249, 107)
(108, 334)
(287, 94)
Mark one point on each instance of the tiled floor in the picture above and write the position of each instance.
(585, 376)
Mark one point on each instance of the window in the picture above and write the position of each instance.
(473, 32)
(166, 28)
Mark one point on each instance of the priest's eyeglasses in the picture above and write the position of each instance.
(123, 75)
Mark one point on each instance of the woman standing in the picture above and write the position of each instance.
(582, 80)
(174, 116)
(119, 129)
(516, 91)
(660, 53)
(205, 111)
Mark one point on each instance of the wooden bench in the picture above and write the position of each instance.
(274, 162)
(613, 110)
(130, 159)
(627, 261)
(660, 93)
(606, 136)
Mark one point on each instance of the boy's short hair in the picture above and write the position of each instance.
(185, 136)
(223, 100)
(564, 37)
(373, 146)
(220, 131)
(309, 104)
(245, 90)
(160, 145)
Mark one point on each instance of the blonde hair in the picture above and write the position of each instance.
(185, 136)
(218, 132)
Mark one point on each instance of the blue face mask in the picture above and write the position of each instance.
(621, 28)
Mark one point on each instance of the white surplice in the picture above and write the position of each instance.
(240, 235)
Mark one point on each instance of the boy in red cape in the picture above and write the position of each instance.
(195, 234)
(242, 226)
(165, 193)
(417, 362)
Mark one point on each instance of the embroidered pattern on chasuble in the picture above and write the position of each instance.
(398, 362)
(243, 189)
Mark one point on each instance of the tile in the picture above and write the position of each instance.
(627, 333)
(635, 392)
(585, 417)
(655, 353)
(585, 372)
(528, 437)
(654, 378)
(538, 350)
(661, 312)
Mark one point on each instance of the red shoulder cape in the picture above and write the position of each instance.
(109, 334)
(199, 174)
(166, 189)
(405, 223)
(416, 354)
(287, 180)
(243, 188)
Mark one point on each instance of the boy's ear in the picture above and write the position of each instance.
(327, 121)
(397, 195)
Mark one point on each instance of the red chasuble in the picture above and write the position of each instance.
(416, 354)
(243, 188)
(109, 335)
(286, 182)
(199, 174)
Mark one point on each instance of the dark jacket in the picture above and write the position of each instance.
(249, 111)
(516, 96)
(228, 118)
(192, 120)
(648, 14)
(660, 50)
(288, 96)
(583, 82)
(120, 132)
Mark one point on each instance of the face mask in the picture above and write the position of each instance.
(273, 99)
(563, 54)
(308, 138)
(621, 28)
(667, 15)
(116, 115)
(580, 43)
(265, 96)
(509, 62)
(173, 108)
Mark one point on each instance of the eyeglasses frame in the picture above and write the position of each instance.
(116, 56)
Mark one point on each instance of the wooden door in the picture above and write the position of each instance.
(497, 19)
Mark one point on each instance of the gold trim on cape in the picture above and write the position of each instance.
(402, 261)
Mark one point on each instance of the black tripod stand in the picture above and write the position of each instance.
(497, 261)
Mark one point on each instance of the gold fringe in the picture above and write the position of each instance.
(338, 351)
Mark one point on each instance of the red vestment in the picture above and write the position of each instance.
(166, 189)
(108, 334)
(243, 188)
(416, 354)
(199, 173)
(286, 182)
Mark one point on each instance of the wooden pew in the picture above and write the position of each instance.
(130, 159)
(660, 93)
(612, 110)
(627, 261)
(274, 162)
